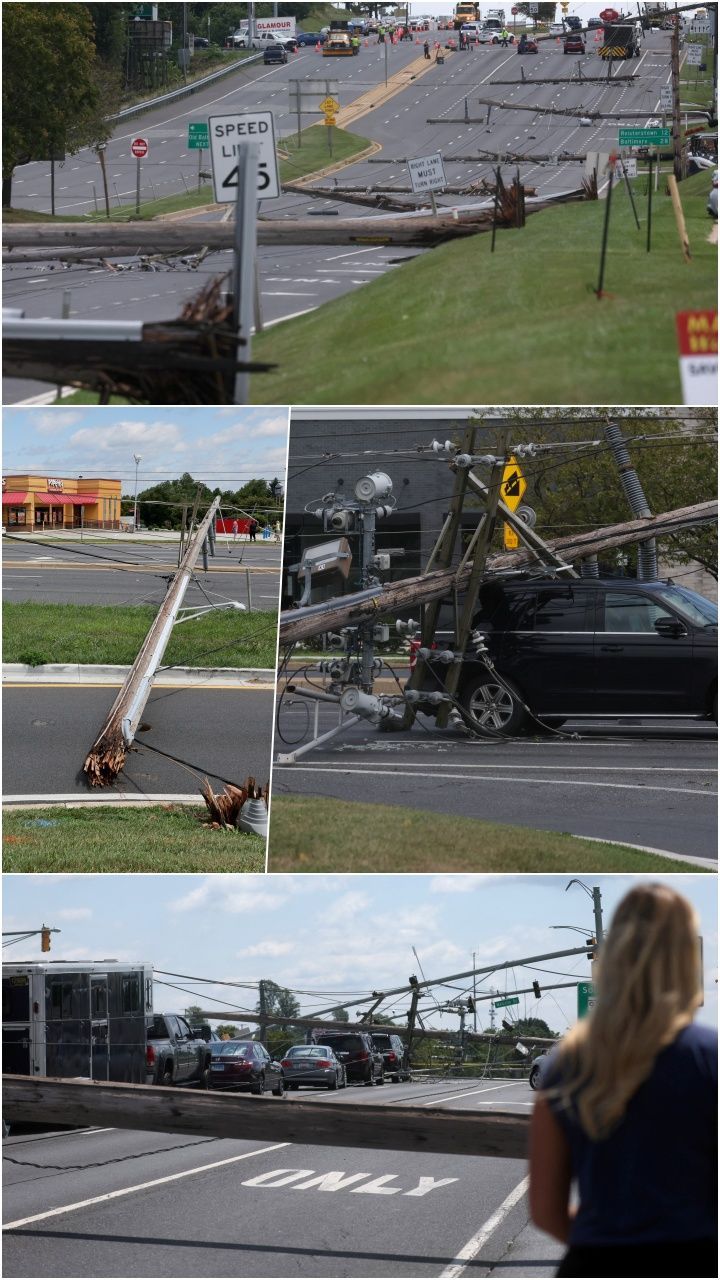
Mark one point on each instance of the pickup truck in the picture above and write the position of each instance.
(174, 1054)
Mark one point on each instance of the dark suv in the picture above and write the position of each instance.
(394, 1055)
(594, 648)
(358, 1054)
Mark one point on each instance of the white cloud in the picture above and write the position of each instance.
(346, 908)
(127, 435)
(268, 949)
(56, 420)
(230, 894)
(74, 913)
(461, 883)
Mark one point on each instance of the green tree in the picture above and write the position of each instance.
(279, 1001)
(580, 488)
(194, 1013)
(52, 97)
(341, 1015)
(227, 1029)
(151, 502)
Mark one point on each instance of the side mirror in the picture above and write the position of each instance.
(670, 627)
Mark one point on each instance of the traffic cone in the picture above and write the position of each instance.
(318, 47)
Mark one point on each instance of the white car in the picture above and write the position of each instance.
(488, 35)
(556, 29)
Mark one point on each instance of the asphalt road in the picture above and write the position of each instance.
(230, 1208)
(92, 572)
(637, 782)
(220, 733)
(296, 280)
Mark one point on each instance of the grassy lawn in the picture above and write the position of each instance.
(462, 326)
(103, 838)
(313, 153)
(40, 633)
(308, 833)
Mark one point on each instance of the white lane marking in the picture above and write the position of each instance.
(90, 1133)
(461, 777)
(353, 254)
(575, 768)
(476, 1242)
(467, 1093)
(140, 1186)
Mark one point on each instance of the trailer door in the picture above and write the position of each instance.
(99, 1028)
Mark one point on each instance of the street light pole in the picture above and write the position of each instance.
(596, 896)
(138, 460)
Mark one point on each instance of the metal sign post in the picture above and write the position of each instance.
(244, 261)
(139, 147)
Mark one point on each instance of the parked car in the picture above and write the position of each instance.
(594, 648)
(274, 53)
(594, 24)
(201, 42)
(309, 37)
(556, 29)
(174, 1054)
(573, 23)
(357, 1052)
(574, 42)
(536, 1066)
(315, 1065)
(244, 1064)
(394, 1055)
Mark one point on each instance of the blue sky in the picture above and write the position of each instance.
(220, 446)
(333, 937)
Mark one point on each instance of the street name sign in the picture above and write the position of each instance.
(198, 137)
(643, 137)
(697, 333)
(585, 998)
(139, 148)
(513, 484)
(502, 1004)
(427, 173)
(227, 135)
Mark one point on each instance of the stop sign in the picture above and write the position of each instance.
(139, 148)
(609, 15)
(513, 12)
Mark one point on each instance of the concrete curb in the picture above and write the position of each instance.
(706, 863)
(335, 168)
(116, 799)
(79, 673)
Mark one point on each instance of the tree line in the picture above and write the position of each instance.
(161, 506)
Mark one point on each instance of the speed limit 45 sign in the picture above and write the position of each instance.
(227, 135)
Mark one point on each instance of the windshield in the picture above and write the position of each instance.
(231, 1049)
(308, 1051)
(691, 604)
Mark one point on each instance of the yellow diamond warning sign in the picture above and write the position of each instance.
(513, 485)
(329, 105)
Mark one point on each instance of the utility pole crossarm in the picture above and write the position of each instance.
(107, 754)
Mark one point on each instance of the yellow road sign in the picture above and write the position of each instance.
(510, 539)
(328, 105)
(330, 118)
(513, 485)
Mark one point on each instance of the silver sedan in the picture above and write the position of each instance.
(314, 1065)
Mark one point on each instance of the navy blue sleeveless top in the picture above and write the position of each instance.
(655, 1177)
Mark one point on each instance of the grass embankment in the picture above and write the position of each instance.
(103, 838)
(308, 833)
(87, 633)
(523, 325)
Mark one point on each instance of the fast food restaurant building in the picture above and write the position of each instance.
(44, 503)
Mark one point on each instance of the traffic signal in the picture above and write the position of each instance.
(471, 1005)
(592, 943)
(44, 938)
(536, 990)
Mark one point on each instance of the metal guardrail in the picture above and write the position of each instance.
(185, 91)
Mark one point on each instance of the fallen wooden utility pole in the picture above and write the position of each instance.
(578, 111)
(106, 756)
(157, 1109)
(154, 237)
(391, 597)
(331, 1024)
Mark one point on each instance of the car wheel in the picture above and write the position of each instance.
(279, 1090)
(370, 1078)
(491, 706)
(259, 1086)
(534, 1077)
(395, 1079)
(205, 1078)
(167, 1076)
(343, 1081)
(333, 1084)
(381, 1078)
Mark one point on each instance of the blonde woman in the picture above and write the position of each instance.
(628, 1108)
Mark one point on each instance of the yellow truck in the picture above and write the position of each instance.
(466, 11)
(338, 43)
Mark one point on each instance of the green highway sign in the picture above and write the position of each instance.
(502, 1004)
(198, 136)
(643, 137)
(585, 998)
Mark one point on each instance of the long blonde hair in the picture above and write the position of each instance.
(647, 981)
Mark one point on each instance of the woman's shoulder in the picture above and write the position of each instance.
(696, 1042)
